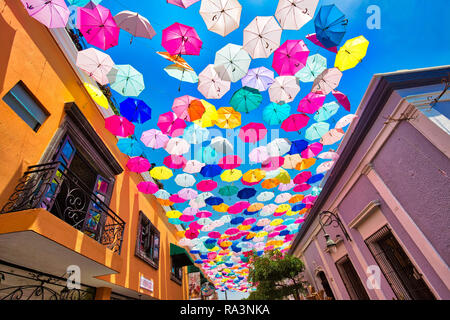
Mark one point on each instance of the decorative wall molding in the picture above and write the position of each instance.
(364, 214)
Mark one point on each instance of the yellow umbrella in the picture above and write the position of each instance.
(97, 95)
(283, 176)
(173, 214)
(221, 207)
(254, 175)
(161, 173)
(291, 213)
(305, 164)
(243, 228)
(276, 222)
(283, 208)
(180, 233)
(226, 244)
(250, 235)
(231, 175)
(216, 248)
(228, 118)
(255, 207)
(209, 118)
(261, 234)
(351, 53)
(291, 160)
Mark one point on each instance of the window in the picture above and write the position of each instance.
(351, 279)
(176, 273)
(402, 276)
(147, 247)
(26, 106)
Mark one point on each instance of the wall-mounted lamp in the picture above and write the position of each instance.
(326, 218)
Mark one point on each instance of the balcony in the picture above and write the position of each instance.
(56, 189)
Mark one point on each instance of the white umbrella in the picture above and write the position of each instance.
(154, 139)
(279, 147)
(265, 196)
(96, 64)
(211, 85)
(259, 155)
(162, 194)
(325, 166)
(135, 24)
(294, 14)
(262, 37)
(221, 16)
(345, 121)
(258, 78)
(283, 197)
(188, 194)
(284, 89)
(327, 81)
(193, 166)
(185, 180)
(177, 146)
(232, 62)
(328, 155)
(272, 174)
(221, 145)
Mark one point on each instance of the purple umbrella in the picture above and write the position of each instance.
(258, 78)
(51, 13)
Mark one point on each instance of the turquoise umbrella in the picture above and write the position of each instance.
(126, 80)
(228, 191)
(207, 155)
(82, 3)
(195, 134)
(326, 111)
(246, 99)
(275, 114)
(317, 130)
(181, 74)
(130, 147)
(315, 65)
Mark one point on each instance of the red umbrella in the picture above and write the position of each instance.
(206, 185)
(311, 102)
(181, 39)
(312, 150)
(252, 132)
(171, 125)
(342, 99)
(295, 122)
(119, 126)
(175, 161)
(290, 57)
(302, 177)
(230, 162)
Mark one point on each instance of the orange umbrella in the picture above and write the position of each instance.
(196, 110)
(254, 175)
(270, 183)
(228, 118)
(305, 164)
(221, 207)
(177, 59)
(255, 207)
(165, 202)
(297, 198)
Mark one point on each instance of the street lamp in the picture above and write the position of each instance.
(326, 218)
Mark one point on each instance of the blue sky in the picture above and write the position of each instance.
(413, 34)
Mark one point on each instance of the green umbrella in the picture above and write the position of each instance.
(317, 130)
(315, 65)
(326, 111)
(181, 74)
(228, 191)
(246, 99)
(275, 114)
(126, 80)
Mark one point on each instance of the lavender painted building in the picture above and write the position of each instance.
(390, 188)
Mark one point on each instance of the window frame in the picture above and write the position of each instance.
(173, 276)
(154, 231)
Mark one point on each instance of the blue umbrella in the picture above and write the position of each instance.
(248, 213)
(331, 25)
(275, 114)
(315, 178)
(246, 193)
(284, 233)
(214, 201)
(256, 228)
(130, 147)
(210, 170)
(135, 110)
(298, 146)
(298, 207)
(237, 220)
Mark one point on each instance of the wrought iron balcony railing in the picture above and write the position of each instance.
(55, 188)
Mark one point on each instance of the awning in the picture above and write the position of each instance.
(180, 257)
(192, 269)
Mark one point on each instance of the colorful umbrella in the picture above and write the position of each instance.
(147, 187)
(135, 110)
(128, 81)
(182, 74)
(176, 59)
(275, 114)
(315, 65)
(208, 118)
(351, 53)
(130, 147)
(185, 180)
(284, 89)
(181, 106)
(313, 38)
(181, 39)
(231, 175)
(246, 99)
(206, 185)
(332, 136)
(291, 161)
(290, 57)
(272, 163)
(312, 150)
(98, 26)
(211, 85)
(177, 146)
(298, 146)
(182, 3)
(232, 62)
(229, 191)
(286, 186)
(327, 81)
(154, 139)
(119, 126)
(246, 193)
(254, 175)
(311, 102)
(52, 14)
(317, 130)
(221, 17)
(302, 177)
(295, 122)
(259, 155)
(252, 132)
(193, 166)
(228, 118)
(306, 163)
(96, 64)
(262, 36)
(170, 124)
(134, 23)
(326, 111)
(328, 155)
(342, 99)
(195, 134)
(96, 95)
(258, 78)
(294, 14)
(230, 162)
(175, 161)
(161, 173)
(138, 164)
(330, 25)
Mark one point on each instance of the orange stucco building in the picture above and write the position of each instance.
(66, 195)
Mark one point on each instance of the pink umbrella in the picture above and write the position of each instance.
(332, 136)
(119, 126)
(313, 38)
(302, 177)
(238, 207)
(192, 233)
(171, 125)
(325, 166)
(286, 186)
(290, 57)
(211, 85)
(312, 150)
(230, 162)
(245, 183)
(280, 228)
(214, 235)
(98, 26)
(342, 99)
(182, 3)
(252, 132)
(188, 194)
(96, 64)
(147, 187)
(52, 14)
(181, 39)
(295, 122)
(154, 139)
(259, 154)
(309, 200)
(301, 187)
(328, 155)
(138, 164)
(190, 211)
(186, 218)
(193, 166)
(180, 106)
(175, 161)
(272, 163)
(248, 221)
(206, 185)
(263, 222)
(176, 198)
(311, 102)
(232, 231)
(203, 214)
(327, 81)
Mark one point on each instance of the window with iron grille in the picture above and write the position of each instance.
(399, 271)
(147, 247)
(351, 280)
